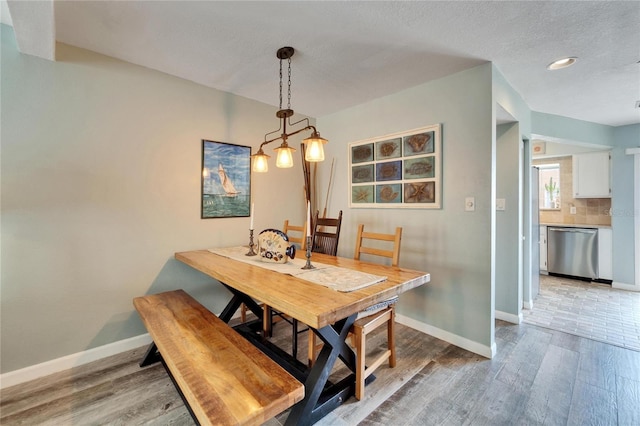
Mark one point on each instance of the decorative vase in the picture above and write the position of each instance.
(273, 246)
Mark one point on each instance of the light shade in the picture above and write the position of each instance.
(284, 159)
(314, 148)
(260, 163)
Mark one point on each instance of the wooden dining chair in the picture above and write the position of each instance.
(365, 244)
(371, 243)
(326, 234)
(300, 239)
(299, 236)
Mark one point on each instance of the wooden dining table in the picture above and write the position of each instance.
(327, 312)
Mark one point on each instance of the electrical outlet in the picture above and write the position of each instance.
(470, 204)
(572, 210)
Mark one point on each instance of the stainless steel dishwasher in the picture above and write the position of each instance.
(573, 251)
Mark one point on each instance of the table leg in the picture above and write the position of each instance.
(294, 338)
(311, 408)
(235, 302)
(319, 399)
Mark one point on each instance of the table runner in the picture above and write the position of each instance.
(334, 277)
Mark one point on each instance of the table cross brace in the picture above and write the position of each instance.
(321, 397)
(235, 302)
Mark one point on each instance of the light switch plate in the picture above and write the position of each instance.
(470, 204)
(500, 204)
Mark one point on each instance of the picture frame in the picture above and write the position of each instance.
(538, 148)
(226, 180)
(400, 170)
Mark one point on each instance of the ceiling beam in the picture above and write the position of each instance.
(34, 26)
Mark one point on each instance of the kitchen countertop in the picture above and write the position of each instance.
(577, 225)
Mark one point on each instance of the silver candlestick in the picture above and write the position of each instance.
(250, 252)
(308, 265)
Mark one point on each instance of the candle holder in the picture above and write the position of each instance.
(250, 252)
(308, 265)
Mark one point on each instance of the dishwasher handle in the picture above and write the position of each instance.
(580, 230)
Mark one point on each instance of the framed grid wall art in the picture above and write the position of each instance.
(401, 170)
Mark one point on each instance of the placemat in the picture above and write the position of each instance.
(334, 277)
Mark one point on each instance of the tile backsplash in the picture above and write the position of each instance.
(589, 211)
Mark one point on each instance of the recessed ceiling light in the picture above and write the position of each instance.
(562, 63)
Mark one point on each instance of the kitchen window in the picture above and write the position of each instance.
(549, 188)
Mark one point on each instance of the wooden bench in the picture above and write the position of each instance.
(223, 378)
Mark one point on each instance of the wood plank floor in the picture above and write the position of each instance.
(539, 377)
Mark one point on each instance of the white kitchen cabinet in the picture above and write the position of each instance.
(592, 175)
(605, 254)
(543, 248)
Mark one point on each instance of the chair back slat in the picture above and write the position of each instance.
(301, 239)
(324, 240)
(363, 238)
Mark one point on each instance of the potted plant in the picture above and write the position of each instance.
(551, 189)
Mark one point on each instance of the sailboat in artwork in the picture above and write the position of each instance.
(227, 185)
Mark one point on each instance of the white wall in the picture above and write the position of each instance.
(101, 185)
(451, 244)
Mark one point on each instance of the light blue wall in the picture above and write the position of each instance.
(506, 96)
(622, 207)
(513, 184)
(101, 185)
(451, 244)
(570, 129)
(508, 295)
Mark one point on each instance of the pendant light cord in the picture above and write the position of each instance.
(289, 94)
(280, 84)
(289, 85)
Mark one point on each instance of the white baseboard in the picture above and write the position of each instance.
(622, 286)
(506, 316)
(454, 339)
(74, 360)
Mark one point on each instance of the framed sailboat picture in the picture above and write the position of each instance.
(226, 180)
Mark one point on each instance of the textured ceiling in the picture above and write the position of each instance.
(352, 52)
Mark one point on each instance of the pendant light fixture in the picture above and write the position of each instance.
(313, 145)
